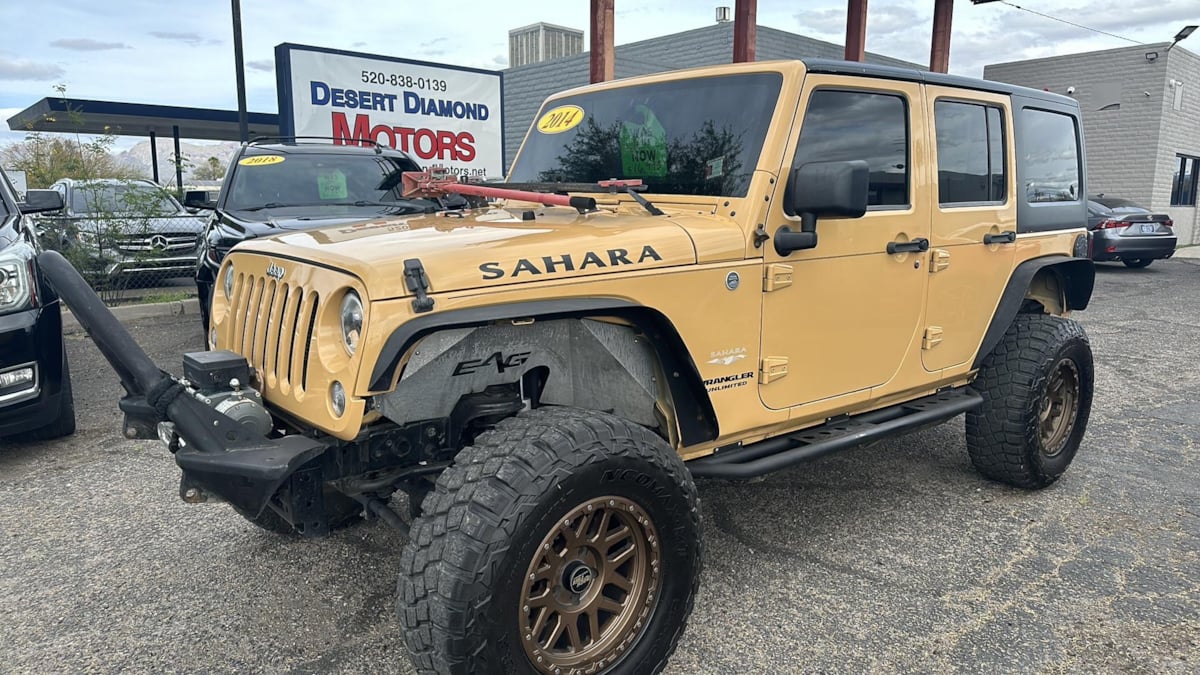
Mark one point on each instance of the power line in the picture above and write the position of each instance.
(1069, 23)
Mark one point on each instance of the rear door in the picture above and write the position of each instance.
(974, 222)
(840, 318)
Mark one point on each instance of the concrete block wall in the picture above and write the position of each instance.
(526, 87)
(1131, 148)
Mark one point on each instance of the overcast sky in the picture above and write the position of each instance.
(151, 51)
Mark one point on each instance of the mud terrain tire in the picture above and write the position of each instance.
(1037, 395)
(537, 497)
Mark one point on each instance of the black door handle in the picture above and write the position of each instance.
(1002, 238)
(915, 246)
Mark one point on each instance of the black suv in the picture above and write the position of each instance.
(35, 383)
(275, 185)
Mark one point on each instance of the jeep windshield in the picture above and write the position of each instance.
(700, 136)
(328, 184)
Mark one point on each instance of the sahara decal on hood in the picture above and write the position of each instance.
(482, 249)
(565, 263)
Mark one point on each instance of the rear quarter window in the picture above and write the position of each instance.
(1051, 183)
(1051, 157)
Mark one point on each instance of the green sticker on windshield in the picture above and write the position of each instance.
(332, 185)
(643, 146)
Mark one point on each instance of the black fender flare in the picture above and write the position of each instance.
(693, 408)
(1077, 277)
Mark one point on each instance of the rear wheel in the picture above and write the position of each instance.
(1037, 395)
(1137, 263)
(563, 541)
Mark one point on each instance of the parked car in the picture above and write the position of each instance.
(275, 185)
(35, 381)
(111, 228)
(1122, 230)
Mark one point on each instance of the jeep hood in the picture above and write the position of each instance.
(485, 248)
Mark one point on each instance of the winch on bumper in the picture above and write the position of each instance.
(217, 429)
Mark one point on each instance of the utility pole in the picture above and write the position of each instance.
(243, 116)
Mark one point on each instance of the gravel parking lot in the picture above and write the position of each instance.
(893, 558)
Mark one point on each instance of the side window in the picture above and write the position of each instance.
(1050, 155)
(849, 125)
(970, 153)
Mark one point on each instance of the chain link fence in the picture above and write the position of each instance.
(131, 240)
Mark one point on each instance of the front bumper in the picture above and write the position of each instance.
(32, 338)
(1108, 245)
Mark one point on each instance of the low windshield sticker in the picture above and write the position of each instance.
(560, 119)
(332, 185)
(643, 145)
(260, 160)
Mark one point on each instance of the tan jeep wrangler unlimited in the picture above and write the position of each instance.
(712, 273)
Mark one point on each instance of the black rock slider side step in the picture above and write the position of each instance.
(840, 433)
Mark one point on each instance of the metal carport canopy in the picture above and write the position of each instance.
(76, 115)
(85, 116)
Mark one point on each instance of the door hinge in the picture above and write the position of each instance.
(939, 259)
(933, 337)
(773, 368)
(777, 276)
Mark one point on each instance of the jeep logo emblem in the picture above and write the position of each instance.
(275, 271)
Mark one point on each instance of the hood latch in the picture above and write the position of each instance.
(418, 283)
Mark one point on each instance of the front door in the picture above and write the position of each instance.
(851, 314)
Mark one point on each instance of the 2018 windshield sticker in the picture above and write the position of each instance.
(613, 257)
(260, 160)
(332, 185)
(560, 119)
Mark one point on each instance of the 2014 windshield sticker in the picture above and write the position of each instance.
(560, 119)
(260, 160)
(729, 381)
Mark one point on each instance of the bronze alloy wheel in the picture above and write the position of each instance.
(590, 588)
(1059, 407)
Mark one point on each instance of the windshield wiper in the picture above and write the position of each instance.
(651, 208)
(407, 203)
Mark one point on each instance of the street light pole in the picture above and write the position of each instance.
(243, 121)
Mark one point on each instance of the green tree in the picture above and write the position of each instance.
(212, 169)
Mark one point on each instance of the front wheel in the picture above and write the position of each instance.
(1037, 395)
(1137, 263)
(563, 541)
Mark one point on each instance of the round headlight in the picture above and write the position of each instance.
(337, 398)
(352, 320)
(229, 282)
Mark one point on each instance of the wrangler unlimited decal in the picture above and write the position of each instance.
(565, 263)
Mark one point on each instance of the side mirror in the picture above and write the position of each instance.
(197, 199)
(39, 201)
(822, 190)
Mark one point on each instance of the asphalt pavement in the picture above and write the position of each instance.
(894, 558)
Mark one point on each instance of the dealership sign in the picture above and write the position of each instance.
(438, 114)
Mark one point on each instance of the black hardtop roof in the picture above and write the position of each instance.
(835, 67)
